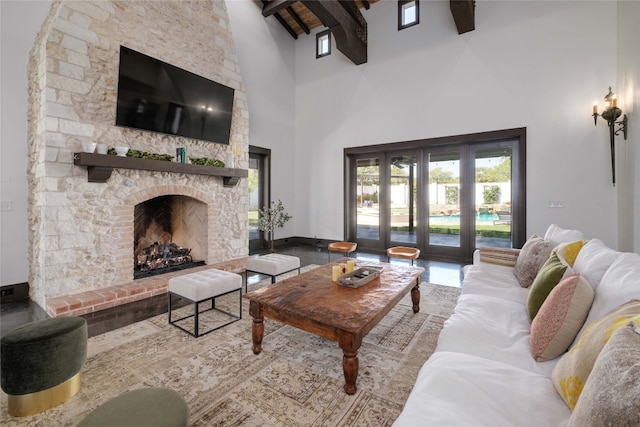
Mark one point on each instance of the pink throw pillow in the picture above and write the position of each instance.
(560, 318)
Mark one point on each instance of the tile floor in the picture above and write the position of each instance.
(15, 314)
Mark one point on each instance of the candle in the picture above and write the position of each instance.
(335, 273)
(615, 102)
(343, 268)
(595, 108)
(350, 265)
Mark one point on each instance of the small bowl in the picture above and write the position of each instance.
(122, 151)
(102, 148)
(88, 147)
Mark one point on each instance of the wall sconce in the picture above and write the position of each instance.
(610, 114)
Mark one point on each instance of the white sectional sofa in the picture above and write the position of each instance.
(483, 372)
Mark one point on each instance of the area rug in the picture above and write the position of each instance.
(297, 380)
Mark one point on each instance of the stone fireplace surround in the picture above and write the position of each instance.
(81, 233)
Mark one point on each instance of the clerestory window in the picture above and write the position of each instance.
(323, 43)
(408, 13)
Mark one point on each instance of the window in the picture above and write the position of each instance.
(323, 43)
(408, 13)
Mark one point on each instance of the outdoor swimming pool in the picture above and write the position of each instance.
(483, 219)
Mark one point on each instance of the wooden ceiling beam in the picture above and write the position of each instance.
(272, 7)
(463, 12)
(281, 20)
(350, 33)
(299, 21)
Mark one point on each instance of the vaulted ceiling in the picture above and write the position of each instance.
(343, 18)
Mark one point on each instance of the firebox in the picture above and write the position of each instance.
(170, 233)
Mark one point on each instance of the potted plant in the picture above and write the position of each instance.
(272, 218)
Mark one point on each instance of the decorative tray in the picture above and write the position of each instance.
(360, 276)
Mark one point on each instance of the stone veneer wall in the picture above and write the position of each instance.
(81, 233)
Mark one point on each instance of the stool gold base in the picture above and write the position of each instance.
(33, 403)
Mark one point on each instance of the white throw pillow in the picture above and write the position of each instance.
(557, 235)
(593, 260)
(619, 284)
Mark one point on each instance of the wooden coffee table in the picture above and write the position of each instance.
(312, 302)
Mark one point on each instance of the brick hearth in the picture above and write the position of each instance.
(92, 301)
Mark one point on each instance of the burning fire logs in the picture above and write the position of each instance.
(158, 255)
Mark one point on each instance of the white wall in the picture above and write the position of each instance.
(628, 151)
(266, 55)
(20, 21)
(529, 63)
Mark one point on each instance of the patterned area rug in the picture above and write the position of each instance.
(297, 380)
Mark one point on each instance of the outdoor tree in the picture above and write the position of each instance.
(499, 173)
(437, 176)
(272, 218)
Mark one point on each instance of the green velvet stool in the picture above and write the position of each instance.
(146, 407)
(41, 363)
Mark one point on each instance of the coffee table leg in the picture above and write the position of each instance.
(350, 345)
(415, 297)
(257, 328)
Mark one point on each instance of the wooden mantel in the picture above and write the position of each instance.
(100, 166)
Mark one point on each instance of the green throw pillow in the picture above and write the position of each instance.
(547, 278)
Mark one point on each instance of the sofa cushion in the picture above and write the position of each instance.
(569, 251)
(495, 281)
(557, 235)
(560, 318)
(619, 284)
(593, 260)
(492, 328)
(548, 277)
(571, 373)
(533, 255)
(455, 389)
(611, 395)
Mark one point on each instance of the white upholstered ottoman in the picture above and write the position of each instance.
(204, 286)
(273, 265)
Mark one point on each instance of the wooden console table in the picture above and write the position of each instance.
(100, 166)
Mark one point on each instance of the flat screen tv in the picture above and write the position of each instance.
(159, 97)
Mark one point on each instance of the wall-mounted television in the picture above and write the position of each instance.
(159, 97)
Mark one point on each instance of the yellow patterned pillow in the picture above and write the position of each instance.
(571, 373)
(611, 396)
(570, 251)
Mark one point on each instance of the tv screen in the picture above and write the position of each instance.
(159, 97)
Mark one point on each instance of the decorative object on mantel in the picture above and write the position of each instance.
(272, 218)
(88, 146)
(207, 162)
(610, 114)
(122, 151)
(100, 166)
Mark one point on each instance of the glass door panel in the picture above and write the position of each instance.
(493, 196)
(444, 198)
(403, 206)
(367, 194)
(254, 199)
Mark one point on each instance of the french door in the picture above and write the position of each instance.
(445, 199)
(259, 180)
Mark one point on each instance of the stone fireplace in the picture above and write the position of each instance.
(82, 234)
